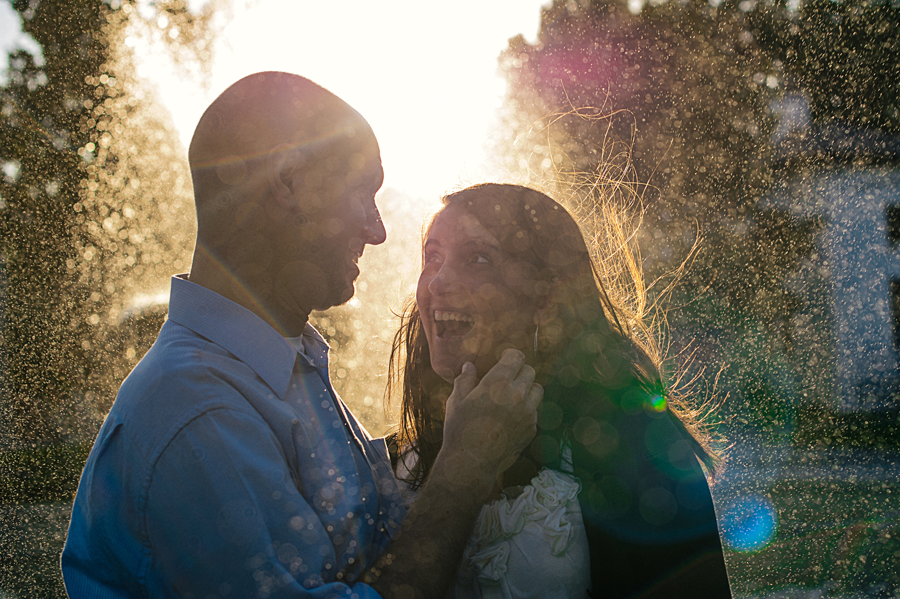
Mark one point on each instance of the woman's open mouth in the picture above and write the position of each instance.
(452, 324)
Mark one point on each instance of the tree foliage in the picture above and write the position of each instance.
(686, 94)
(44, 112)
(844, 56)
(93, 207)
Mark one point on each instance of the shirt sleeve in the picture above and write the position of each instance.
(225, 519)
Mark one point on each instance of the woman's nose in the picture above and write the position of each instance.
(444, 280)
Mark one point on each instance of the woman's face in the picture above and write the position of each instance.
(474, 299)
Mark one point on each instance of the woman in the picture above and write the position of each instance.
(610, 496)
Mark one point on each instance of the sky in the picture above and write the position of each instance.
(12, 38)
(424, 75)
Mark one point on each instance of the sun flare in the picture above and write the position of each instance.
(425, 79)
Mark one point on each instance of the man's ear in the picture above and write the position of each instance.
(280, 164)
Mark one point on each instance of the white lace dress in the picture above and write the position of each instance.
(529, 543)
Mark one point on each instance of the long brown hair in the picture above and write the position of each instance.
(595, 340)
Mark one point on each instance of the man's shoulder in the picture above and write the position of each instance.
(181, 378)
(180, 361)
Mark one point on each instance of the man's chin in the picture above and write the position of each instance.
(339, 299)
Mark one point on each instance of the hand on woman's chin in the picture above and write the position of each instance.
(446, 374)
(447, 370)
(486, 361)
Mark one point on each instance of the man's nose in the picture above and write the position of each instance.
(375, 234)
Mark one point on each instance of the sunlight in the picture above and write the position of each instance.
(425, 79)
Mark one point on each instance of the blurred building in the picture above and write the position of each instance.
(4, 408)
(846, 332)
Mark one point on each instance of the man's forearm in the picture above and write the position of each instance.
(423, 560)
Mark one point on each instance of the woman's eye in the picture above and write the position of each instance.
(481, 259)
(430, 258)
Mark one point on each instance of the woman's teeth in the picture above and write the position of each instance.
(453, 324)
(445, 316)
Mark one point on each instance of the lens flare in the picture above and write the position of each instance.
(750, 523)
(658, 403)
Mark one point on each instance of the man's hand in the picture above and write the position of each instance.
(491, 421)
(487, 425)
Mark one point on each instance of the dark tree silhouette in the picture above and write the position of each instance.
(94, 206)
(689, 93)
(843, 56)
(44, 124)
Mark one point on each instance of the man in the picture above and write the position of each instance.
(228, 466)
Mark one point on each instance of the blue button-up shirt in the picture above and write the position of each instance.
(228, 467)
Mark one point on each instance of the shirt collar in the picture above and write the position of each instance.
(311, 346)
(235, 329)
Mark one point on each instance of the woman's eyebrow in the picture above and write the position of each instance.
(468, 244)
(483, 243)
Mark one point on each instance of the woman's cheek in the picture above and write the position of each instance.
(491, 292)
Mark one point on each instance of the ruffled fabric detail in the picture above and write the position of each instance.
(491, 563)
(547, 501)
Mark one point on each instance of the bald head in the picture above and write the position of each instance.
(262, 115)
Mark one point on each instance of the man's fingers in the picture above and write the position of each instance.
(496, 416)
(525, 377)
(512, 357)
(535, 396)
(511, 362)
(465, 382)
